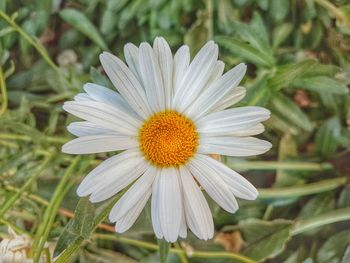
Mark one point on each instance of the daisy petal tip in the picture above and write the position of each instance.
(81, 192)
(268, 145)
(252, 195)
(64, 148)
(242, 66)
(159, 38)
(111, 219)
(103, 57)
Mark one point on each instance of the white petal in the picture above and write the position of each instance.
(181, 62)
(99, 143)
(233, 146)
(86, 128)
(151, 77)
(216, 92)
(104, 115)
(213, 184)
(124, 223)
(240, 186)
(113, 174)
(257, 129)
(196, 76)
(155, 207)
(131, 53)
(82, 97)
(169, 203)
(126, 83)
(232, 120)
(234, 95)
(136, 192)
(216, 73)
(197, 211)
(183, 227)
(165, 61)
(105, 95)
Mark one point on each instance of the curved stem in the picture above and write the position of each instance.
(334, 216)
(51, 210)
(26, 138)
(306, 189)
(8, 204)
(3, 93)
(332, 9)
(30, 40)
(278, 165)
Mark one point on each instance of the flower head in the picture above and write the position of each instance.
(168, 117)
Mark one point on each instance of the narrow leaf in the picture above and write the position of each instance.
(245, 51)
(327, 136)
(264, 239)
(79, 228)
(334, 248)
(79, 21)
(288, 73)
(289, 111)
(321, 84)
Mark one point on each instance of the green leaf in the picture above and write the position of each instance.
(317, 205)
(327, 136)
(163, 250)
(290, 112)
(321, 84)
(288, 73)
(278, 10)
(265, 239)
(334, 248)
(258, 93)
(346, 257)
(319, 69)
(198, 34)
(344, 198)
(281, 33)
(87, 217)
(245, 51)
(79, 21)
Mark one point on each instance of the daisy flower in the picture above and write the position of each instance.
(168, 116)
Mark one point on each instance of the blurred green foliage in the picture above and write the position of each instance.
(298, 57)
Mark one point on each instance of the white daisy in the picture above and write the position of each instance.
(168, 116)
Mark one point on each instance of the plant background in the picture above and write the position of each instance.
(298, 57)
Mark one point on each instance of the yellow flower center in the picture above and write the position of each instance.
(168, 139)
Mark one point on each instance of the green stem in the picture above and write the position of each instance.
(51, 210)
(20, 137)
(306, 189)
(30, 40)
(275, 165)
(194, 254)
(28, 183)
(33, 197)
(333, 9)
(210, 19)
(3, 92)
(268, 212)
(334, 216)
(14, 227)
(182, 255)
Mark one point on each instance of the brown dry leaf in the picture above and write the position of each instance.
(302, 99)
(47, 37)
(232, 242)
